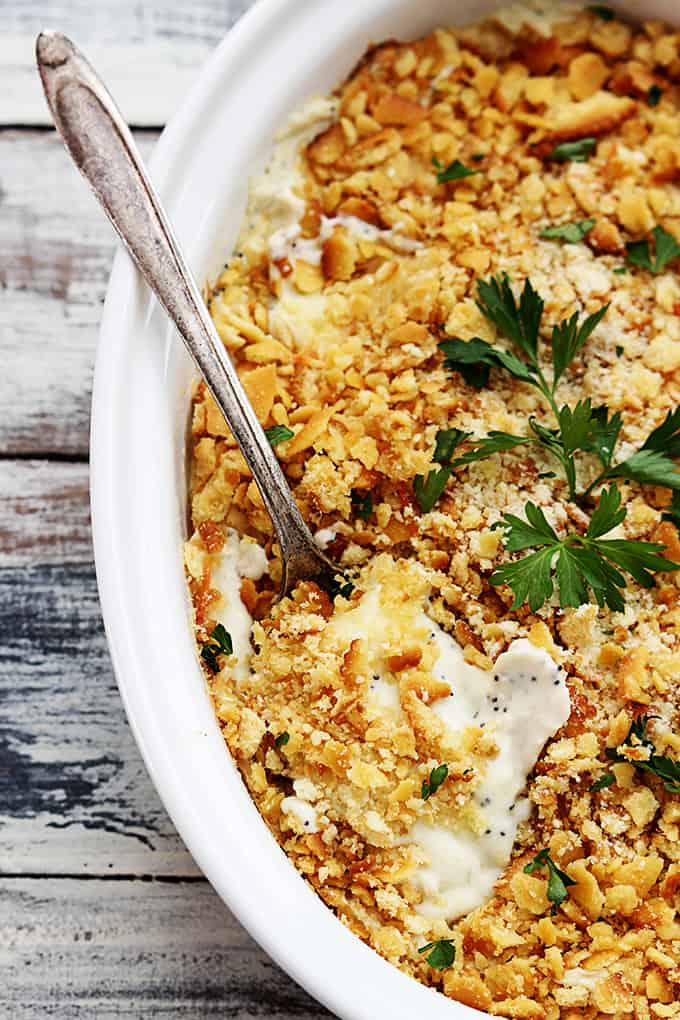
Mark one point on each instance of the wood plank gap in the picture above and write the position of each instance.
(104, 877)
(47, 455)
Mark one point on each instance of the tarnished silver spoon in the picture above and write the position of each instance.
(101, 145)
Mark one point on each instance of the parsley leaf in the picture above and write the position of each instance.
(568, 338)
(648, 467)
(666, 436)
(446, 442)
(659, 765)
(580, 563)
(602, 782)
(495, 442)
(672, 511)
(278, 434)
(654, 95)
(220, 644)
(431, 785)
(573, 152)
(475, 358)
(455, 171)
(519, 322)
(442, 953)
(558, 880)
(666, 248)
(362, 503)
(604, 434)
(282, 739)
(572, 233)
(428, 490)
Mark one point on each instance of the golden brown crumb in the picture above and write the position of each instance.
(343, 351)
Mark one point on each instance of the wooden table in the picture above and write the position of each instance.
(102, 910)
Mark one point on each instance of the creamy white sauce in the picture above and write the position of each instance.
(275, 201)
(239, 558)
(287, 242)
(523, 702)
(303, 811)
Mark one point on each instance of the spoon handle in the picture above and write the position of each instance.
(101, 145)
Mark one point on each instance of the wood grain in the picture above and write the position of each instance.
(149, 54)
(56, 248)
(44, 513)
(76, 949)
(74, 794)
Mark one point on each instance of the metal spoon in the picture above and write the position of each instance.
(101, 146)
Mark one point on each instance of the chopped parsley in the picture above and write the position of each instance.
(605, 780)
(431, 785)
(282, 739)
(362, 504)
(558, 881)
(654, 95)
(620, 270)
(619, 350)
(278, 434)
(220, 643)
(573, 152)
(666, 248)
(442, 953)
(667, 769)
(572, 233)
(455, 171)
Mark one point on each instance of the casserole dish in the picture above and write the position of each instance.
(142, 395)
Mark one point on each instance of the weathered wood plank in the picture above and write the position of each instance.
(56, 248)
(44, 513)
(149, 54)
(74, 795)
(76, 949)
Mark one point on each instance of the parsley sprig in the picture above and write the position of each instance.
(666, 248)
(441, 953)
(558, 880)
(667, 769)
(579, 563)
(220, 644)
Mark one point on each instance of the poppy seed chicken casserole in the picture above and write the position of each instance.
(454, 307)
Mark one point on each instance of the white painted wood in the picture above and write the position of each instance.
(76, 949)
(148, 53)
(74, 795)
(44, 513)
(56, 248)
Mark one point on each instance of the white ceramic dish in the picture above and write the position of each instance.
(281, 52)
